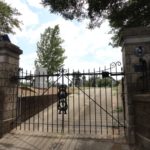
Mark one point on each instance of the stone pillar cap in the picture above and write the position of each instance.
(11, 47)
(134, 32)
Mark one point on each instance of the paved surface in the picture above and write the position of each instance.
(29, 141)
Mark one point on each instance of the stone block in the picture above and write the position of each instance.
(131, 134)
(3, 58)
(143, 143)
(9, 106)
(13, 61)
(131, 109)
(9, 114)
(11, 91)
(7, 126)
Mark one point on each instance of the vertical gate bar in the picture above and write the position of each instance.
(57, 104)
(123, 103)
(38, 102)
(62, 130)
(29, 104)
(25, 103)
(17, 107)
(84, 99)
(12, 102)
(95, 82)
(34, 108)
(47, 101)
(117, 100)
(52, 104)
(100, 101)
(79, 103)
(43, 82)
(73, 105)
(18, 118)
(106, 105)
(89, 100)
(20, 100)
(112, 118)
(68, 104)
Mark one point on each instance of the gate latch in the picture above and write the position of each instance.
(105, 74)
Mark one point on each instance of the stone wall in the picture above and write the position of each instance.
(142, 120)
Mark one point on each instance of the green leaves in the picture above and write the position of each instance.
(8, 20)
(49, 50)
(120, 13)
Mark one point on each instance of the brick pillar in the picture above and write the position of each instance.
(9, 64)
(135, 49)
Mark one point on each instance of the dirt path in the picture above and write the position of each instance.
(90, 112)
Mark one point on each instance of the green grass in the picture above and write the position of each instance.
(118, 109)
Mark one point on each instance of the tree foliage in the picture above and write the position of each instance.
(106, 82)
(8, 20)
(100, 82)
(77, 78)
(50, 53)
(120, 13)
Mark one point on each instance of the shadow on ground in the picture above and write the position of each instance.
(29, 141)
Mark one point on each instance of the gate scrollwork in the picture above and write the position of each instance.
(62, 102)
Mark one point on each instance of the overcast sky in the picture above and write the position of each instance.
(84, 48)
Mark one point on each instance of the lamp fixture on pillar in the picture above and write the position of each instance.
(5, 38)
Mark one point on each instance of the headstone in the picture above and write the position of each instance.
(41, 80)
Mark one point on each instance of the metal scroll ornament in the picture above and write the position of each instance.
(62, 99)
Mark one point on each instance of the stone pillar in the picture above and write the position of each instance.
(136, 61)
(9, 64)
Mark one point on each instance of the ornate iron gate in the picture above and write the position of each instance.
(72, 102)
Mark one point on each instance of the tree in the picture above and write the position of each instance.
(107, 82)
(7, 18)
(120, 13)
(49, 50)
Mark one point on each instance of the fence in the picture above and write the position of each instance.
(72, 102)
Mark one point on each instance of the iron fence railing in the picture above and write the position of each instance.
(72, 102)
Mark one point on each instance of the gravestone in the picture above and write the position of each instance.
(41, 79)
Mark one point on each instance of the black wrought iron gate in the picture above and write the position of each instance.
(72, 102)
